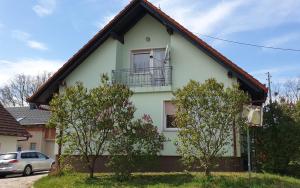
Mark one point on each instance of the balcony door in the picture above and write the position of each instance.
(150, 63)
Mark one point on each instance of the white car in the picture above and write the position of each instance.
(24, 162)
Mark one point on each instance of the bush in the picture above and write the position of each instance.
(278, 142)
(135, 147)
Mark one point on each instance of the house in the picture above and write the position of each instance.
(10, 132)
(34, 121)
(154, 55)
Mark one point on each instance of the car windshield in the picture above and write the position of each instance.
(8, 156)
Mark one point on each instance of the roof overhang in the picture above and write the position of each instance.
(116, 29)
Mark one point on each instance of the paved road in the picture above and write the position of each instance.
(18, 181)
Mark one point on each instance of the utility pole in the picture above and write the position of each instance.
(269, 86)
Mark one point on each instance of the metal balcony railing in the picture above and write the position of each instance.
(147, 77)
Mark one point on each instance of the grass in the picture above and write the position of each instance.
(159, 180)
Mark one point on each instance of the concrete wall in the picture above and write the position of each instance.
(188, 62)
(8, 144)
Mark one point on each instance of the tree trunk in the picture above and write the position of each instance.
(92, 172)
(92, 166)
(59, 150)
(207, 171)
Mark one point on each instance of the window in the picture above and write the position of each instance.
(171, 121)
(143, 61)
(8, 156)
(19, 148)
(32, 146)
(41, 156)
(169, 110)
(29, 155)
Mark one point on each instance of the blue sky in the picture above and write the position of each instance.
(38, 35)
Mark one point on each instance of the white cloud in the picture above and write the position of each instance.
(278, 41)
(44, 7)
(26, 38)
(20, 35)
(30, 66)
(106, 19)
(36, 45)
(228, 17)
(279, 73)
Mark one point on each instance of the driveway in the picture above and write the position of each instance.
(19, 181)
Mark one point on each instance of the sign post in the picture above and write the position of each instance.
(254, 115)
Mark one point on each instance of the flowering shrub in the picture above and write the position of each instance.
(135, 147)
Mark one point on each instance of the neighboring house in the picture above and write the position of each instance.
(154, 55)
(34, 121)
(10, 132)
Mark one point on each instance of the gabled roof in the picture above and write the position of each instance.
(9, 126)
(26, 116)
(116, 28)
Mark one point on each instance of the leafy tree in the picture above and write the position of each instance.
(85, 119)
(134, 147)
(278, 141)
(206, 114)
(20, 87)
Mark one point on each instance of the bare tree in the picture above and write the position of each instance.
(15, 92)
(292, 89)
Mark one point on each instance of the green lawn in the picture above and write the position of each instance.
(219, 180)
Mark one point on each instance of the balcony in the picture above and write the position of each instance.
(147, 77)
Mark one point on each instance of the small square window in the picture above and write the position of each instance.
(32, 146)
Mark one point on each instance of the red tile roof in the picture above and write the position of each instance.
(102, 34)
(9, 126)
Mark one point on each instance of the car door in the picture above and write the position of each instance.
(43, 161)
(30, 158)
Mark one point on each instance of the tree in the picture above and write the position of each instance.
(292, 89)
(21, 87)
(134, 147)
(85, 119)
(278, 141)
(206, 114)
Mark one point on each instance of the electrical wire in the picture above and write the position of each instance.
(250, 44)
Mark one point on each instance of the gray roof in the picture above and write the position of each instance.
(27, 116)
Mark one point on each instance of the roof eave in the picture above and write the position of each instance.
(54, 82)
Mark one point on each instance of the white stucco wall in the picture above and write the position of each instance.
(8, 144)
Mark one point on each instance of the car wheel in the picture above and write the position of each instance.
(27, 171)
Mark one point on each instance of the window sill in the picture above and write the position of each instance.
(170, 129)
(151, 89)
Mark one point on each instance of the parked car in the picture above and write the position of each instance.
(24, 162)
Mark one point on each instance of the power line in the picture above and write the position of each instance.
(250, 44)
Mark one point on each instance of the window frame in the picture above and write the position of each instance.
(165, 128)
(142, 51)
(134, 52)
